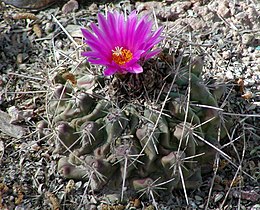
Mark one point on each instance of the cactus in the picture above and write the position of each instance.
(116, 136)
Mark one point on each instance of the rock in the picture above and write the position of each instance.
(30, 4)
(226, 54)
(180, 7)
(167, 15)
(198, 198)
(74, 30)
(70, 6)
(252, 14)
(229, 75)
(8, 128)
(49, 27)
(196, 23)
(202, 11)
(223, 9)
(247, 39)
(218, 197)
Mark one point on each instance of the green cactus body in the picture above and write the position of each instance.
(168, 163)
(92, 136)
(99, 111)
(133, 119)
(149, 142)
(123, 140)
(177, 109)
(70, 171)
(68, 113)
(66, 138)
(197, 66)
(85, 103)
(186, 140)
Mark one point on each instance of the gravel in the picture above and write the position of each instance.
(34, 47)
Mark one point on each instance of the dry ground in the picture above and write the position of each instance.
(35, 46)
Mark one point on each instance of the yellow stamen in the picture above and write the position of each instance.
(121, 55)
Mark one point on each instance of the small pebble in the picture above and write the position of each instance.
(202, 206)
(247, 39)
(226, 54)
(218, 197)
(70, 6)
(49, 27)
(223, 10)
(250, 49)
(198, 198)
(229, 75)
(221, 43)
(249, 82)
(58, 44)
(19, 58)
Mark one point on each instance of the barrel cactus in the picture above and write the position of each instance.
(155, 126)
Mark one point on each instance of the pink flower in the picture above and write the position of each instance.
(119, 44)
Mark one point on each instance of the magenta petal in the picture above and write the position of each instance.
(98, 61)
(136, 57)
(88, 35)
(91, 54)
(144, 29)
(116, 30)
(121, 29)
(110, 70)
(102, 37)
(98, 47)
(135, 68)
(103, 23)
(85, 54)
(152, 53)
(130, 30)
(112, 22)
(154, 39)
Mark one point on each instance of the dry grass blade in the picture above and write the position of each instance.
(65, 31)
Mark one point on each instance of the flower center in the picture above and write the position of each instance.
(121, 56)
